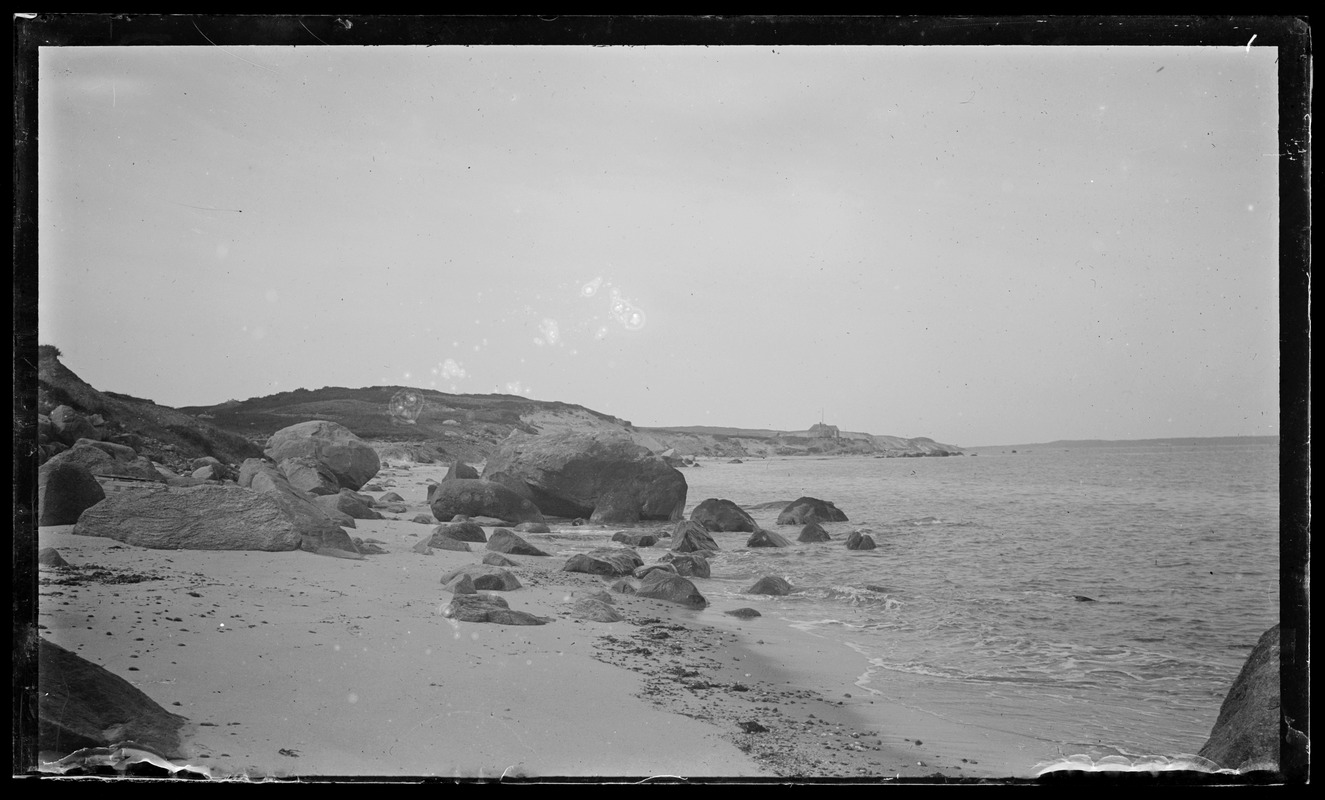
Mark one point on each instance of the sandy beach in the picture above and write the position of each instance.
(295, 664)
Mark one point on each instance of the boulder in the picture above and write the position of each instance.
(607, 561)
(722, 515)
(474, 497)
(487, 608)
(81, 704)
(390, 497)
(441, 541)
(423, 519)
(532, 527)
(622, 586)
(689, 536)
(204, 474)
(743, 613)
(64, 491)
(50, 557)
(1246, 734)
(347, 503)
(69, 426)
(643, 571)
(486, 577)
(460, 470)
(503, 541)
(223, 471)
(307, 474)
(668, 586)
(459, 584)
(463, 532)
(860, 541)
(212, 517)
(766, 538)
(595, 611)
(107, 465)
(810, 509)
(499, 560)
(770, 584)
(423, 546)
(635, 539)
(813, 532)
(335, 446)
(603, 476)
(690, 565)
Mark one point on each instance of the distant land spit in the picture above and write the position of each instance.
(1188, 441)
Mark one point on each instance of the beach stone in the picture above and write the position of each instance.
(611, 562)
(603, 475)
(212, 517)
(690, 565)
(461, 470)
(50, 557)
(335, 446)
(503, 541)
(394, 508)
(1246, 734)
(422, 546)
(643, 571)
(486, 608)
(423, 519)
(635, 539)
(64, 491)
(532, 527)
(117, 464)
(307, 474)
(347, 503)
(813, 532)
(668, 586)
(372, 487)
(743, 613)
(368, 548)
(689, 536)
(222, 470)
(722, 515)
(860, 541)
(622, 586)
(69, 426)
(766, 538)
(804, 510)
(463, 531)
(390, 497)
(499, 560)
(486, 577)
(770, 584)
(595, 611)
(477, 497)
(601, 595)
(81, 704)
(460, 584)
(441, 541)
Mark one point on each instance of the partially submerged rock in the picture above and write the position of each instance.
(860, 541)
(804, 510)
(668, 586)
(770, 584)
(689, 536)
(635, 539)
(813, 532)
(608, 561)
(1246, 735)
(722, 515)
(766, 538)
(503, 541)
(743, 613)
(690, 565)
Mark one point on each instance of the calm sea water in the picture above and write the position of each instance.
(970, 598)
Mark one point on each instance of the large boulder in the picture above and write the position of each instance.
(463, 532)
(805, 510)
(334, 446)
(69, 426)
(813, 532)
(689, 536)
(608, 561)
(503, 541)
(1246, 735)
(668, 586)
(690, 565)
(348, 503)
(604, 477)
(64, 491)
(309, 475)
(122, 463)
(81, 704)
(593, 610)
(212, 517)
(475, 497)
(461, 470)
(722, 515)
(770, 584)
(485, 577)
(766, 538)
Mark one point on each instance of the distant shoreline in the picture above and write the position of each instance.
(1177, 441)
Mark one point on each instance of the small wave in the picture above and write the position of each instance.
(1084, 763)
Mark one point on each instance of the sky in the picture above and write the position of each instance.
(981, 245)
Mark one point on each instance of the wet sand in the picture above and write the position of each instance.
(294, 664)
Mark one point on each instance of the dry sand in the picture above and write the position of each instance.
(294, 664)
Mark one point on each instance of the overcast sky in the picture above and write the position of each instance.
(981, 245)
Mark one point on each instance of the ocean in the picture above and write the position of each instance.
(971, 610)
